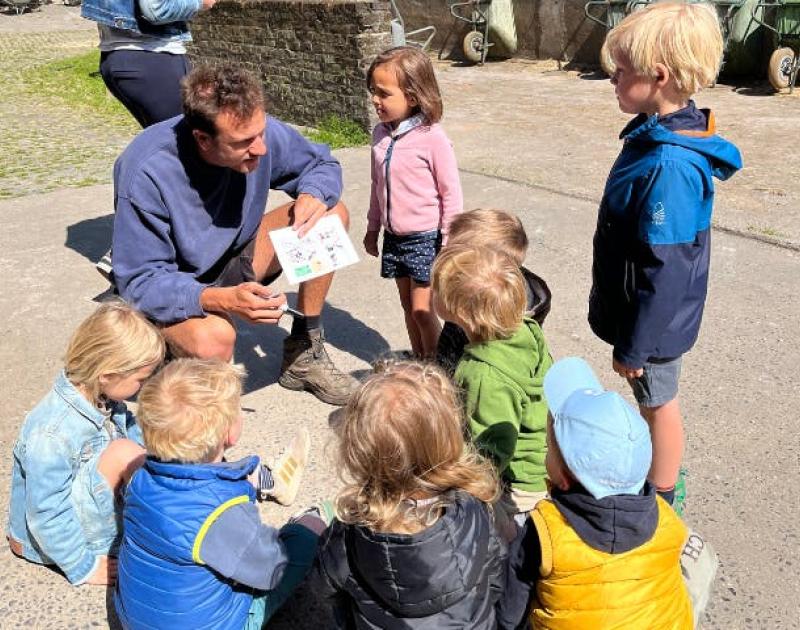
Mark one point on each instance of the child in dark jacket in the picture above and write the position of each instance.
(603, 551)
(501, 371)
(414, 545)
(652, 243)
(502, 231)
(195, 553)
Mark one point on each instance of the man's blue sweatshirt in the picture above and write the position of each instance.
(178, 217)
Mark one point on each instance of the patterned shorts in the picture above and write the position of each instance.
(410, 256)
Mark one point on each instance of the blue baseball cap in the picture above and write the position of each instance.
(602, 438)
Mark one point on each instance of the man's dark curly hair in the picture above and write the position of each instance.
(207, 90)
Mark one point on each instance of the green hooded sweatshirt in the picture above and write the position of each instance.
(505, 405)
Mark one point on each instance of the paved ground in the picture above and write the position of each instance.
(556, 132)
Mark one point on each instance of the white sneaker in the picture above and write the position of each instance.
(699, 564)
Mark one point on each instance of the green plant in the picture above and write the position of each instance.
(76, 82)
(338, 133)
(766, 231)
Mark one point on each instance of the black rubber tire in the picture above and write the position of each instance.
(779, 65)
(473, 46)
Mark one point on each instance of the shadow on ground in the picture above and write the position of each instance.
(91, 238)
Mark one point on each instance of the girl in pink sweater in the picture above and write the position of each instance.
(416, 190)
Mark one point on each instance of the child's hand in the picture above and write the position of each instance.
(105, 574)
(624, 371)
(371, 243)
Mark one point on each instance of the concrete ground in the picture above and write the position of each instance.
(554, 134)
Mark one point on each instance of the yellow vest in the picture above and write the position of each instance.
(581, 588)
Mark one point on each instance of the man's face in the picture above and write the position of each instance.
(239, 143)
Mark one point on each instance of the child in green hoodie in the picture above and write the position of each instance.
(501, 371)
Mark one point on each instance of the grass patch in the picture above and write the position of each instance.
(766, 231)
(338, 133)
(76, 82)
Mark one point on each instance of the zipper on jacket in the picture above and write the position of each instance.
(388, 160)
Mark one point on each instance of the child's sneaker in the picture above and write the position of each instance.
(105, 267)
(680, 492)
(699, 564)
(287, 470)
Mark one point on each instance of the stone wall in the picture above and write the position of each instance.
(311, 54)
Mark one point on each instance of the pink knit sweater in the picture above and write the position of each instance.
(424, 180)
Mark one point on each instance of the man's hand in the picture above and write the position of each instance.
(249, 301)
(207, 4)
(624, 371)
(305, 213)
(371, 243)
(106, 572)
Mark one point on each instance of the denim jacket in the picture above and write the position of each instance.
(149, 17)
(61, 434)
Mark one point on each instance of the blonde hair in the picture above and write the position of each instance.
(483, 288)
(401, 439)
(415, 77)
(491, 228)
(186, 410)
(685, 37)
(116, 339)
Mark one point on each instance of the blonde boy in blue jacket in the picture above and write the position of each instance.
(652, 243)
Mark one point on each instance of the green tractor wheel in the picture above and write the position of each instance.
(780, 68)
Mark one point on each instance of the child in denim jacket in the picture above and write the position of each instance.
(79, 445)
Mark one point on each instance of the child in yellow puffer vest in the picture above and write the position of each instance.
(603, 551)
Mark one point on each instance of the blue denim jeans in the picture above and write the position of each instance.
(301, 546)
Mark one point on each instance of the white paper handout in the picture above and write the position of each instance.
(324, 249)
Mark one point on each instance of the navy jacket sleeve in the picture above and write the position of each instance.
(145, 262)
(524, 559)
(300, 166)
(664, 257)
(240, 547)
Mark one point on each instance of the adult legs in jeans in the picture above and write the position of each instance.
(301, 547)
(146, 83)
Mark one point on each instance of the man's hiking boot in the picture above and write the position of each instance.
(307, 366)
(287, 470)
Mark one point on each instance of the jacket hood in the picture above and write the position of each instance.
(723, 156)
(512, 357)
(175, 473)
(418, 575)
(614, 524)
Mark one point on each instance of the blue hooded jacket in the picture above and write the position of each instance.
(652, 243)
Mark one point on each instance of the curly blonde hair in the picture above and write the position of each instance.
(482, 288)
(685, 37)
(186, 410)
(114, 340)
(402, 439)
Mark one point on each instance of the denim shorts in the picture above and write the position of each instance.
(95, 508)
(410, 255)
(658, 384)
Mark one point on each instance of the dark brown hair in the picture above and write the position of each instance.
(207, 90)
(415, 77)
